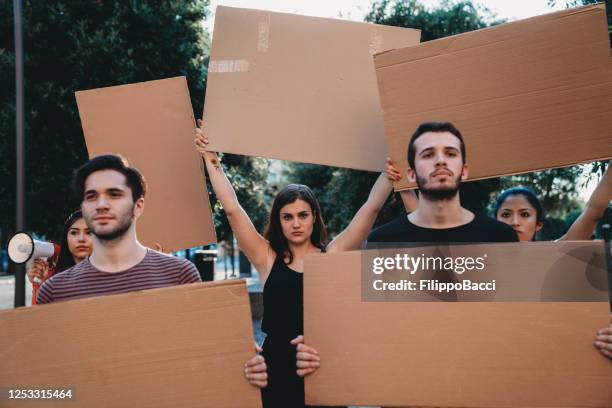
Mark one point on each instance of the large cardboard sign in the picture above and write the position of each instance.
(152, 125)
(527, 95)
(472, 353)
(183, 346)
(298, 88)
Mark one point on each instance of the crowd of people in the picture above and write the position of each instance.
(101, 253)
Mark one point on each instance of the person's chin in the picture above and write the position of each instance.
(103, 232)
(299, 239)
(523, 237)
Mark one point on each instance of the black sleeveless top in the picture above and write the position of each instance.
(283, 296)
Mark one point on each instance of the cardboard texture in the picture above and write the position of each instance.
(559, 272)
(298, 88)
(152, 125)
(454, 354)
(527, 95)
(183, 346)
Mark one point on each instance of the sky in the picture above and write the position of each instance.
(357, 9)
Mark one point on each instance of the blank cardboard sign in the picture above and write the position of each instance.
(527, 95)
(151, 124)
(459, 354)
(298, 88)
(184, 346)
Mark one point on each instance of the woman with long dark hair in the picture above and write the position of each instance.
(295, 228)
(75, 246)
(520, 208)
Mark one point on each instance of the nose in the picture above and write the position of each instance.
(101, 203)
(296, 222)
(440, 159)
(515, 220)
(81, 237)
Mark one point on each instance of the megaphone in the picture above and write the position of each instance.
(22, 247)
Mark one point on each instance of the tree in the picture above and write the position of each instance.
(449, 18)
(248, 177)
(75, 45)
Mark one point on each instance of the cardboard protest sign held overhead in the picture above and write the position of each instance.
(527, 95)
(468, 353)
(151, 124)
(298, 88)
(183, 346)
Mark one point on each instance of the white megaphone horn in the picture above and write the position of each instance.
(22, 247)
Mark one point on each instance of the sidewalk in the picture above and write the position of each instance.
(7, 292)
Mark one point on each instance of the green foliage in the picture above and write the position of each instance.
(248, 177)
(340, 192)
(557, 190)
(449, 18)
(75, 45)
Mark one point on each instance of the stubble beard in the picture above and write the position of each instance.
(438, 194)
(125, 222)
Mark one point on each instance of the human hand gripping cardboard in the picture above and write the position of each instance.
(604, 340)
(201, 143)
(255, 370)
(308, 360)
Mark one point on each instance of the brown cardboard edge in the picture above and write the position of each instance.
(392, 57)
(189, 287)
(283, 13)
(206, 193)
(82, 91)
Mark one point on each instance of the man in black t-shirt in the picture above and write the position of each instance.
(436, 155)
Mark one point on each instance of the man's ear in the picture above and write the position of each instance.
(411, 175)
(138, 207)
(464, 172)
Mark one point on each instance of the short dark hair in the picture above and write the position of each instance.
(437, 127)
(274, 232)
(133, 178)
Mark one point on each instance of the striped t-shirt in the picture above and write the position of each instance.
(156, 270)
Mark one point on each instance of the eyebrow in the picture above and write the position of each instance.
(109, 190)
(445, 148)
(301, 212)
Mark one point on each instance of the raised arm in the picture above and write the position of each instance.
(409, 197)
(410, 200)
(361, 224)
(584, 225)
(255, 246)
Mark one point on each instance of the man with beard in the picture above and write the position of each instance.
(436, 155)
(113, 200)
(436, 158)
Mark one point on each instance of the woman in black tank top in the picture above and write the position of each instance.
(295, 228)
